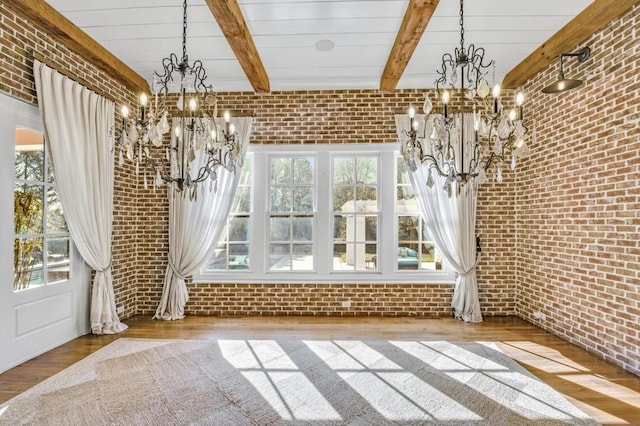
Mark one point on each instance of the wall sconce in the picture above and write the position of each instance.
(566, 83)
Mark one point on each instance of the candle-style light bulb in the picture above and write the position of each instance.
(192, 104)
(445, 101)
(512, 115)
(227, 116)
(496, 95)
(143, 100)
(125, 113)
(412, 112)
(519, 103)
(232, 129)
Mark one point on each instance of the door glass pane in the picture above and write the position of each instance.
(57, 259)
(55, 218)
(27, 263)
(28, 203)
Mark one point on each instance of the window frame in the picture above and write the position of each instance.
(387, 271)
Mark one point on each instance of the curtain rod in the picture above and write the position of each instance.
(68, 74)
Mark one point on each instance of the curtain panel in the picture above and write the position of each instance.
(195, 227)
(77, 124)
(451, 221)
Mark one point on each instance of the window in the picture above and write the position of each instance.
(291, 213)
(325, 213)
(232, 250)
(41, 244)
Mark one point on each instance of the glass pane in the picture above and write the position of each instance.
(239, 228)
(27, 263)
(408, 228)
(343, 171)
(280, 228)
(358, 257)
(242, 200)
(343, 197)
(430, 258)
(303, 170)
(366, 199)
(408, 257)
(279, 257)
(29, 155)
(371, 228)
(28, 205)
(371, 257)
(340, 228)
(238, 256)
(303, 199)
(55, 218)
(403, 172)
(340, 258)
(280, 170)
(303, 229)
(405, 192)
(58, 259)
(302, 257)
(281, 199)
(218, 259)
(367, 171)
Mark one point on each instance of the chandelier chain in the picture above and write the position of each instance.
(184, 30)
(461, 25)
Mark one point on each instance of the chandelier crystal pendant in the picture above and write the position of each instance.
(171, 155)
(470, 134)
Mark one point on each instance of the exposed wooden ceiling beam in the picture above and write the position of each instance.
(590, 20)
(233, 26)
(65, 32)
(414, 23)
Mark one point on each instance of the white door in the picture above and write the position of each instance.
(44, 284)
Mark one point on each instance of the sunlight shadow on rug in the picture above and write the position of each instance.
(230, 382)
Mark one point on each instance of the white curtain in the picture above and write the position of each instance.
(77, 125)
(451, 222)
(194, 227)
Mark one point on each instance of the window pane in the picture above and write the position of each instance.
(281, 199)
(340, 258)
(55, 218)
(340, 228)
(302, 257)
(219, 258)
(343, 197)
(366, 199)
(280, 170)
(303, 199)
(303, 170)
(27, 263)
(279, 257)
(28, 204)
(57, 259)
(303, 229)
(371, 228)
(343, 171)
(280, 229)
(242, 200)
(367, 171)
(29, 155)
(239, 228)
(408, 228)
(238, 256)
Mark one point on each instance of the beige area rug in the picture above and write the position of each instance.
(290, 382)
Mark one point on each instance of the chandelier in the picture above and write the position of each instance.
(470, 134)
(190, 154)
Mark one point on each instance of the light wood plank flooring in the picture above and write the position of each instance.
(606, 392)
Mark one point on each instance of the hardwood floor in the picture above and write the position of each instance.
(607, 393)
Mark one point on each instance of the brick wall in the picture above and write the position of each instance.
(18, 40)
(578, 198)
(332, 117)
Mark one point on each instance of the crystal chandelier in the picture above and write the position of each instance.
(471, 134)
(147, 140)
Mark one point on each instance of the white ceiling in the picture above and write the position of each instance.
(142, 32)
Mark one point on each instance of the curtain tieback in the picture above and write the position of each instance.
(107, 267)
(471, 270)
(175, 270)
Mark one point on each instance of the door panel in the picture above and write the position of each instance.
(36, 319)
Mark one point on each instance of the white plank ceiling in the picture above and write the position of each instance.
(142, 32)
